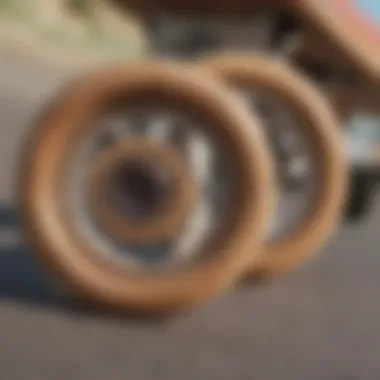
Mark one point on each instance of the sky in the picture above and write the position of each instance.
(370, 7)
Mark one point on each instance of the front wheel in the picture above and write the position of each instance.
(109, 198)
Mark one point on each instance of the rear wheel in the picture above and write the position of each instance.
(306, 141)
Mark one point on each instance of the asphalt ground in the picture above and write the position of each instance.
(320, 322)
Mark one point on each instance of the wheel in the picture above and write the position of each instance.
(311, 167)
(109, 199)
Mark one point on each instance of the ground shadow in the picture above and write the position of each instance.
(22, 280)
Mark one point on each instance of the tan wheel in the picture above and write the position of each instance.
(145, 110)
(299, 106)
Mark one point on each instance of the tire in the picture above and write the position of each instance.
(69, 258)
(323, 133)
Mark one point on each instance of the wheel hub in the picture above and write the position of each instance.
(141, 192)
(140, 188)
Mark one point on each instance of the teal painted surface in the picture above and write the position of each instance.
(371, 8)
(364, 128)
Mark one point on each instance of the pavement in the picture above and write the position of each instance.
(320, 322)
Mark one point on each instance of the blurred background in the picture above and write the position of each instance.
(72, 30)
(320, 322)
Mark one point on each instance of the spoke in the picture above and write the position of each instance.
(199, 226)
(159, 129)
(110, 132)
(201, 158)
